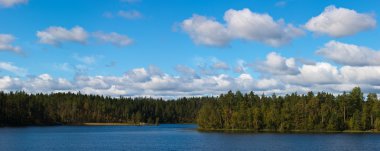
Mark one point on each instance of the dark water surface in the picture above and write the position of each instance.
(173, 137)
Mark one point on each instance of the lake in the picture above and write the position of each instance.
(173, 137)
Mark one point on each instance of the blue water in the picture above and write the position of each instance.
(173, 137)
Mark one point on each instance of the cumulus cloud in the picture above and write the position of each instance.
(319, 76)
(152, 82)
(131, 14)
(328, 77)
(340, 22)
(206, 31)
(276, 64)
(138, 75)
(11, 3)
(268, 84)
(7, 66)
(349, 54)
(240, 24)
(139, 82)
(46, 83)
(282, 75)
(56, 35)
(361, 75)
(8, 83)
(6, 41)
(260, 27)
(245, 82)
(95, 82)
(113, 38)
(320, 73)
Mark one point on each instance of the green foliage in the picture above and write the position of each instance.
(310, 112)
(209, 116)
(19, 108)
(377, 124)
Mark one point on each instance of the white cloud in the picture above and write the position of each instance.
(11, 3)
(113, 38)
(326, 74)
(276, 64)
(268, 84)
(139, 82)
(96, 82)
(206, 31)
(152, 82)
(320, 73)
(132, 14)
(245, 82)
(138, 75)
(8, 83)
(161, 83)
(247, 25)
(6, 41)
(361, 75)
(7, 66)
(349, 54)
(46, 83)
(340, 22)
(240, 24)
(284, 77)
(56, 35)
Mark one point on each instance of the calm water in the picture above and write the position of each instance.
(173, 137)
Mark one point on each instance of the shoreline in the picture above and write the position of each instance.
(81, 124)
(112, 124)
(253, 131)
(286, 132)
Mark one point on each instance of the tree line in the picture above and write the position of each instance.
(307, 112)
(292, 112)
(20, 108)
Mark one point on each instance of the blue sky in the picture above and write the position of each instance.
(182, 48)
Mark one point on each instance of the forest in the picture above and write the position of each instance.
(292, 112)
(22, 109)
(231, 111)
